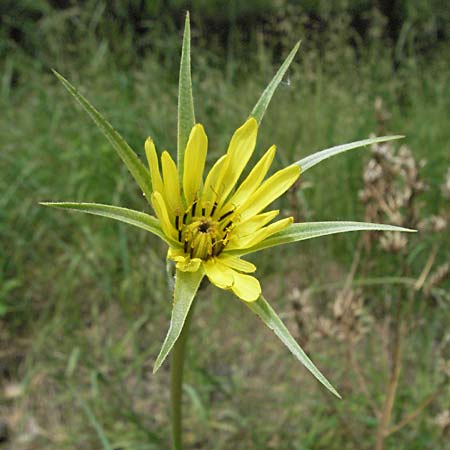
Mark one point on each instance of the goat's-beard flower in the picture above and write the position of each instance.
(207, 221)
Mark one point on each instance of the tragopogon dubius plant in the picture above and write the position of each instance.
(210, 223)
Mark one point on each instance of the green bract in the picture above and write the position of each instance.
(190, 274)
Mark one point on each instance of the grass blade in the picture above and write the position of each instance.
(130, 216)
(309, 230)
(316, 158)
(265, 312)
(186, 286)
(263, 102)
(93, 421)
(186, 115)
(134, 164)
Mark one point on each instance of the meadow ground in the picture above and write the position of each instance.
(84, 305)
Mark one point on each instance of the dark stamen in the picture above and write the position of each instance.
(193, 208)
(228, 225)
(179, 235)
(214, 208)
(185, 246)
(203, 211)
(225, 215)
(184, 218)
(177, 222)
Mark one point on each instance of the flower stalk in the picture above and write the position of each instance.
(176, 383)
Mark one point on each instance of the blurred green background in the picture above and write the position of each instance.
(84, 304)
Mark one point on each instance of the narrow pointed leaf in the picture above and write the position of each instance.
(186, 115)
(266, 96)
(130, 216)
(186, 286)
(316, 158)
(263, 309)
(126, 153)
(308, 230)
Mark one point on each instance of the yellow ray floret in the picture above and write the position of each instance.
(254, 179)
(206, 221)
(171, 185)
(152, 158)
(194, 162)
(240, 150)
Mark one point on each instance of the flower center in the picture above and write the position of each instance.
(203, 227)
(203, 236)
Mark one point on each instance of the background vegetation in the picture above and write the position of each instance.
(83, 301)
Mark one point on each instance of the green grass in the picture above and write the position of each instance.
(84, 301)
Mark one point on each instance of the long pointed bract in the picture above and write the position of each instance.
(262, 308)
(126, 153)
(129, 216)
(263, 102)
(309, 230)
(186, 286)
(186, 115)
(311, 160)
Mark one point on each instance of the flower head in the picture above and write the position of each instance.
(208, 221)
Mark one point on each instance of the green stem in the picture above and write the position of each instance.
(176, 383)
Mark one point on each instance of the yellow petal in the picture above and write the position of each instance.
(152, 158)
(213, 183)
(186, 264)
(246, 287)
(218, 273)
(249, 226)
(261, 234)
(270, 190)
(240, 150)
(175, 252)
(194, 163)
(171, 183)
(253, 180)
(244, 232)
(161, 211)
(236, 263)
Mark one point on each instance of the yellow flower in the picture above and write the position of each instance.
(208, 221)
